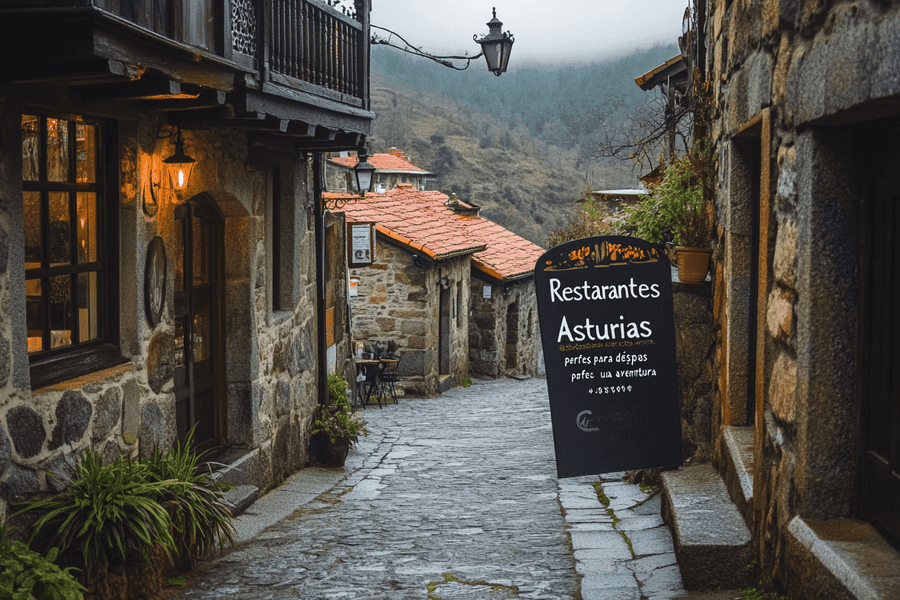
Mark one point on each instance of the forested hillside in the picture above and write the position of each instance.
(518, 145)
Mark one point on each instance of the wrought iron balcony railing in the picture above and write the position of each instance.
(298, 43)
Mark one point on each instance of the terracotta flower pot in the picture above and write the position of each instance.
(693, 263)
(334, 455)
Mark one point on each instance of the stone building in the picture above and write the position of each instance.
(452, 289)
(415, 291)
(503, 329)
(133, 305)
(391, 170)
(803, 103)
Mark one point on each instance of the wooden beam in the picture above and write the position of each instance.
(206, 99)
(142, 89)
(78, 72)
(301, 129)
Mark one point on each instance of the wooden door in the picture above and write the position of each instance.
(880, 329)
(198, 356)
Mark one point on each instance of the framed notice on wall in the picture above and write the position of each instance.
(361, 243)
(607, 327)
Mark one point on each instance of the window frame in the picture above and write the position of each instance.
(53, 365)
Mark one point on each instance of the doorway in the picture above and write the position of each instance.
(444, 333)
(880, 329)
(198, 248)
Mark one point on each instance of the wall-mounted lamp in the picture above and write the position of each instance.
(445, 282)
(496, 46)
(364, 173)
(179, 165)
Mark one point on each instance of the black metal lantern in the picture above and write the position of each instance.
(180, 165)
(364, 173)
(496, 46)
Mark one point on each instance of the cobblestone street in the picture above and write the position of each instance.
(448, 497)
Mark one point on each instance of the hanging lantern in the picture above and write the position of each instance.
(496, 46)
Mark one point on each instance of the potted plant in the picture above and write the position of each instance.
(337, 427)
(679, 205)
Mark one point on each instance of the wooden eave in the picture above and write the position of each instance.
(107, 58)
(674, 67)
(496, 276)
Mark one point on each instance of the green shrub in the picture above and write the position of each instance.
(200, 517)
(677, 204)
(337, 419)
(106, 515)
(27, 575)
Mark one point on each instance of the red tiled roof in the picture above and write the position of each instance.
(381, 162)
(422, 221)
(416, 219)
(507, 255)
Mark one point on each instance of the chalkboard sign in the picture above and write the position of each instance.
(607, 328)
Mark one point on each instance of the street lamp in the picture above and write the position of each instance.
(496, 46)
(364, 173)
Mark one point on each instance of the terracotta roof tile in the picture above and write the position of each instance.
(422, 221)
(417, 219)
(381, 162)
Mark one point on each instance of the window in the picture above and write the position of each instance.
(65, 274)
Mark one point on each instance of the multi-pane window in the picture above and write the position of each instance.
(64, 270)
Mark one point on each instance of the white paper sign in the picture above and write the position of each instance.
(361, 243)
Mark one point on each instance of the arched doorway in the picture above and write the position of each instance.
(199, 356)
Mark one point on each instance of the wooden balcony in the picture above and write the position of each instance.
(297, 67)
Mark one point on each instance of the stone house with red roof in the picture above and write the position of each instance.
(451, 289)
(391, 170)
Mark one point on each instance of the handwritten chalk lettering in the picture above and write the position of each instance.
(631, 358)
(636, 373)
(615, 389)
(578, 360)
(605, 309)
(585, 421)
(607, 331)
(583, 375)
(586, 291)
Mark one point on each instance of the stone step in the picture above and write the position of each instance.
(712, 542)
(241, 497)
(445, 382)
(739, 467)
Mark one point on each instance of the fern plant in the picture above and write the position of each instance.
(106, 515)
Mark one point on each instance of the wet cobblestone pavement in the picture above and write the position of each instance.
(454, 497)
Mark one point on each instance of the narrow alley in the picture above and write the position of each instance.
(448, 497)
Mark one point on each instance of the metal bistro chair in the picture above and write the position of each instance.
(367, 383)
(389, 376)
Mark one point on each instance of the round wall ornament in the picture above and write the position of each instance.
(155, 280)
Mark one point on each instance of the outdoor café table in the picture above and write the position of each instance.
(367, 371)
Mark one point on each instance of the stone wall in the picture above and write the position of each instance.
(793, 83)
(270, 355)
(399, 299)
(694, 349)
(503, 328)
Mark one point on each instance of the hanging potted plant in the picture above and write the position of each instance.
(679, 205)
(337, 427)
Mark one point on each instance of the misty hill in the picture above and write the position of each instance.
(517, 145)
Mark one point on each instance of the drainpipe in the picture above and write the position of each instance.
(321, 347)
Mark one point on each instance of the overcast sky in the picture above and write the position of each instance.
(545, 30)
